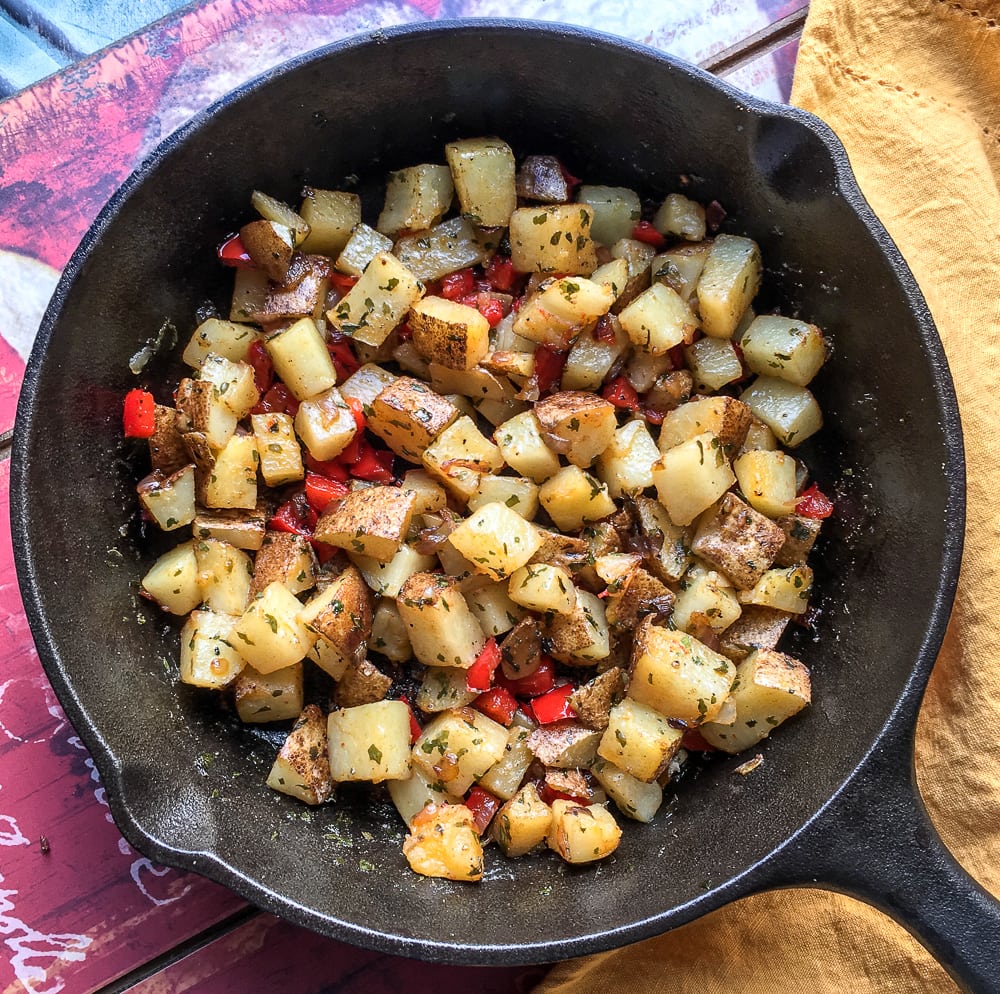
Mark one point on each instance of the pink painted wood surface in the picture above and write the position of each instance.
(91, 910)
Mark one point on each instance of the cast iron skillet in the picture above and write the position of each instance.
(834, 803)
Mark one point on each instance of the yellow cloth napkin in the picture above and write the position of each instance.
(912, 88)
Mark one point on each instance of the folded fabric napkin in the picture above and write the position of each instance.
(913, 91)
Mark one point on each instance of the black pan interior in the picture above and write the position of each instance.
(185, 783)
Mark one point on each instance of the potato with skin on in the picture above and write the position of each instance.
(326, 424)
(443, 842)
(639, 740)
(582, 834)
(272, 209)
(234, 381)
(373, 521)
(680, 267)
(304, 297)
(573, 497)
(268, 634)
(692, 476)
(408, 415)
(505, 776)
(785, 589)
(725, 417)
(172, 581)
(201, 408)
(207, 658)
(800, 536)
(756, 628)
(541, 178)
(362, 682)
(523, 448)
(580, 635)
(448, 332)
(458, 747)
(522, 823)
(284, 558)
(635, 595)
(737, 540)
(270, 245)
(167, 451)
(728, 284)
(576, 424)
(658, 319)
(302, 766)
(705, 600)
(277, 447)
(496, 540)
(169, 499)
(770, 688)
(370, 742)
(564, 745)
(460, 455)
(678, 675)
(331, 216)
(342, 614)
(416, 198)
(262, 698)
(594, 700)
(561, 309)
(671, 542)
(553, 239)
(442, 628)
(301, 359)
(483, 171)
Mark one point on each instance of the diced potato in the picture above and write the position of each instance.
(680, 267)
(728, 283)
(682, 217)
(388, 578)
(302, 766)
(576, 424)
(372, 522)
(560, 310)
(496, 539)
(272, 209)
(443, 249)
(331, 216)
(458, 747)
(443, 630)
(301, 359)
(565, 745)
(639, 740)
(361, 248)
(785, 589)
(738, 540)
(705, 599)
(767, 480)
(637, 256)
(616, 211)
(483, 171)
(790, 411)
(677, 675)
(573, 497)
(692, 476)
(327, 658)
(444, 688)
(378, 302)
(800, 536)
(541, 178)
(365, 384)
(643, 369)
(362, 682)
(522, 823)
(448, 332)
(342, 614)
(214, 336)
(582, 634)
(269, 635)
(756, 628)
(415, 198)
(614, 275)
(460, 455)
(389, 636)
(443, 842)
(479, 384)
(523, 448)
(261, 698)
(233, 480)
(270, 245)
(658, 319)
(408, 415)
(201, 409)
(553, 240)
(784, 348)
(370, 742)
(626, 464)
(278, 448)
(582, 834)
(491, 604)
(593, 700)
(515, 492)
(633, 798)
(431, 495)
(250, 296)
(542, 588)
(713, 363)
(590, 359)
(207, 658)
(726, 418)
(504, 777)
(672, 541)
(223, 576)
(172, 581)
(326, 424)
(287, 558)
(234, 382)
(167, 451)
(770, 687)
(304, 297)
(633, 596)
(759, 436)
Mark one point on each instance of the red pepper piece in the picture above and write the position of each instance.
(604, 331)
(553, 706)
(539, 682)
(549, 362)
(454, 286)
(621, 393)
(358, 410)
(694, 742)
(483, 806)
(330, 468)
(233, 253)
(415, 728)
(813, 503)
(295, 516)
(278, 399)
(139, 414)
(404, 332)
(645, 232)
(371, 463)
(341, 282)
(498, 704)
(263, 368)
(320, 490)
(490, 308)
(479, 676)
(571, 181)
(500, 273)
(345, 362)
(549, 794)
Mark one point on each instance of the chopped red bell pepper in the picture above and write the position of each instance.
(358, 410)
(498, 704)
(549, 362)
(571, 180)
(813, 503)
(549, 794)
(491, 309)
(232, 252)
(479, 676)
(404, 332)
(483, 806)
(534, 684)
(645, 232)
(320, 490)
(621, 393)
(604, 331)
(500, 273)
(295, 516)
(653, 417)
(372, 464)
(330, 468)
(139, 414)
(345, 362)
(342, 282)
(415, 729)
(278, 399)
(553, 706)
(695, 742)
(263, 368)
(457, 285)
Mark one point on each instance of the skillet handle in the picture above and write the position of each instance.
(876, 843)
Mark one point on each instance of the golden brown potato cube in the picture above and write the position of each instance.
(706, 600)
(342, 614)
(726, 418)
(790, 411)
(301, 359)
(361, 247)
(553, 240)
(448, 332)
(370, 742)
(786, 348)
(443, 629)
(639, 740)
(325, 424)
(565, 745)
(366, 384)
(626, 464)
(582, 834)
(331, 216)
(637, 256)
(304, 299)
(278, 448)
(250, 294)
(658, 319)
(460, 455)
(632, 797)
(407, 415)
(459, 746)
(167, 451)
(561, 309)
(541, 588)
(270, 245)
(738, 540)
(516, 492)
(770, 687)
(223, 576)
(756, 628)
(728, 283)
(362, 682)
(302, 767)
(415, 198)
(483, 170)
(201, 409)
(637, 594)
(431, 495)
(680, 266)
(522, 446)
(522, 823)
(207, 659)
(285, 558)
(692, 476)
(389, 637)
(266, 697)
(373, 522)
(800, 536)
(496, 539)
(443, 842)
(229, 339)
(785, 589)
(767, 480)
(577, 424)
(275, 210)
(447, 247)
(678, 215)
(580, 635)
(713, 362)
(172, 581)
(169, 499)
(594, 700)
(671, 542)
(573, 497)
(268, 635)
